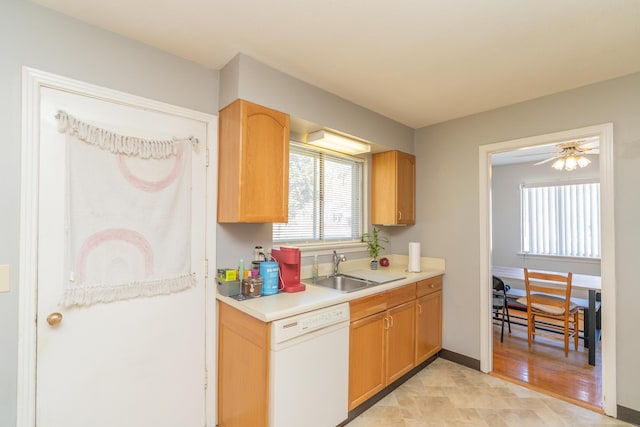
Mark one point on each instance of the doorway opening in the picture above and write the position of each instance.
(607, 271)
(546, 218)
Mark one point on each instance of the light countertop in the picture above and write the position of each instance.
(281, 305)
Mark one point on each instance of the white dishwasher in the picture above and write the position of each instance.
(309, 375)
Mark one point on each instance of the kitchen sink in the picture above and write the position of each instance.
(344, 283)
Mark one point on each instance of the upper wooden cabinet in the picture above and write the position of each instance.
(393, 188)
(253, 164)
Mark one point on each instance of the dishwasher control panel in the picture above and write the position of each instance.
(291, 327)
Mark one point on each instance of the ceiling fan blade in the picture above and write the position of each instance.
(536, 154)
(592, 151)
(583, 142)
(590, 144)
(545, 161)
(585, 149)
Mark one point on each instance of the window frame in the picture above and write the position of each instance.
(523, 226)
(321, 247)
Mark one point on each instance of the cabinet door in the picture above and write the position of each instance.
(393, 188)
(383, 188)
(265, 173)
(253, 164)
(400, 340)
(366, 358)
(243, 370)
(428, 326)
(406, 188)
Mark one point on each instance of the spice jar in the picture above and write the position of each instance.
(252, 285)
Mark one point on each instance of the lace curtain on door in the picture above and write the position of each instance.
(128, 215)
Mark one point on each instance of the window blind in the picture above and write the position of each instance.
(561, 219)
(325, 197)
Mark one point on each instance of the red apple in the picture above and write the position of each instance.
(384, 262)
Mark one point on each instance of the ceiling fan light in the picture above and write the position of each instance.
(571, 163)
(558, 164)
(583, 161)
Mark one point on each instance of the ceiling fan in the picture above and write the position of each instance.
(572, 154)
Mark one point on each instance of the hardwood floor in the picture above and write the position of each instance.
(544, 367)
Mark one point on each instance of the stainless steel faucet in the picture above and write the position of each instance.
(336, 261)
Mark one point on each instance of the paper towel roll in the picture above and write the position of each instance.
(414, 257)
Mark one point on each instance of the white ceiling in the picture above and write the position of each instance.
(415, 61)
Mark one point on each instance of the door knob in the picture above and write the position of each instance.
(54, 319)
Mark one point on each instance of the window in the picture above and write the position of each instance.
(561, 219)
(325, 198)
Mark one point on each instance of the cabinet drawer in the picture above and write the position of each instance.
(363, 307)
(401, 295)
(428, 286)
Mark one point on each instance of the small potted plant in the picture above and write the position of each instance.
(374, 247)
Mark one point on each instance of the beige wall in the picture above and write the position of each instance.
(448, 193)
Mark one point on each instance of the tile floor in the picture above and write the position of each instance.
(447, 394)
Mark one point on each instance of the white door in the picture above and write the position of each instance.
(137, 362)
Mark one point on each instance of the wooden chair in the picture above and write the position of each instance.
(550, 298)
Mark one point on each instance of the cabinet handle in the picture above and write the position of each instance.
(432, 285)
(386, 323)
(391, 318)
(399, 215)
(419, 308)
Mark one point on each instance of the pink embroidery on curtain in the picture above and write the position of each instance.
(101, 237)
(152, 186)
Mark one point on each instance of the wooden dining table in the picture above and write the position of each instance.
(590, 306)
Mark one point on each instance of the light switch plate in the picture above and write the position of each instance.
(5, 283)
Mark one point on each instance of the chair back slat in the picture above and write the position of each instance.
(548, 289)
(549, 277)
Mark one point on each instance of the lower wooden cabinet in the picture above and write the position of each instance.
(400, 340)
(243, 369)
(428, 326)
(381, 341)
(381, 350)
(428, 319)
(390, 334)
(366, 358)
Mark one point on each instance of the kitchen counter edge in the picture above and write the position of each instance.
(282, 305)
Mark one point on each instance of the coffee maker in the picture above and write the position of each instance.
(289, 261)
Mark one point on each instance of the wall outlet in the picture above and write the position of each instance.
(5, 282)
